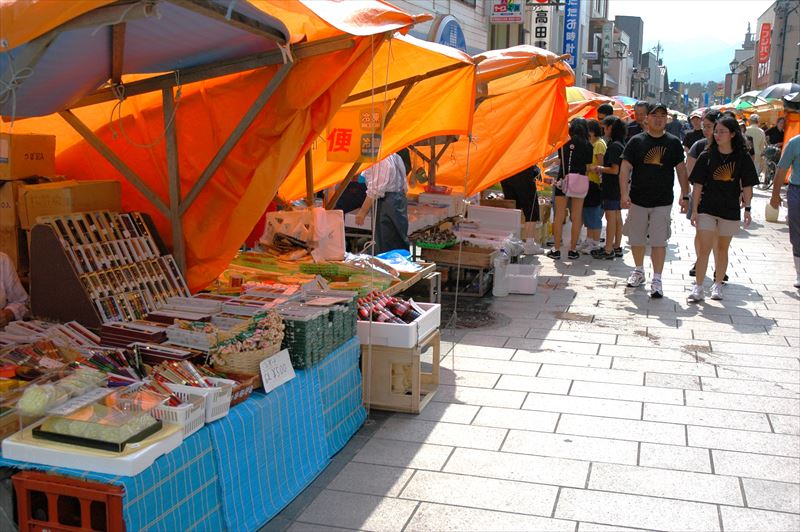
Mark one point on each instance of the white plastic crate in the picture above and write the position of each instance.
(522, 278)
(218, 398)
(191, 415)
(402, 334)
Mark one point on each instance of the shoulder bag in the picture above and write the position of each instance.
(574, 185)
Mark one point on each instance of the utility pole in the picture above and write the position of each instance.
(658, 49)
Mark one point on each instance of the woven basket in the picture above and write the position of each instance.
(244, 361)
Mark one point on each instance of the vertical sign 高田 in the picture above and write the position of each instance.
(572, 9)
(541, 27)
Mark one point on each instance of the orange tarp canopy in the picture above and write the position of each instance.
(583, 103)
(521, 118)
(227, 208)
(439, 103)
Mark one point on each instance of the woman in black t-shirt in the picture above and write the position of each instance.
(615, 135)
(724, 173)
(576, 156)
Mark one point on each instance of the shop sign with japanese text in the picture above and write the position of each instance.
(764, 48)
(506, 12)
(541, 27)
(354, 134)
(572, 10)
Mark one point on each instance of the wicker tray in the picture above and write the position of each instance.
(244, 361)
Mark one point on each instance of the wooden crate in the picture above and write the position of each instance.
(383, 376)
(470, 256)
(502, 203)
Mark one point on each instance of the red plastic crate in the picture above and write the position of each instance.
(54, 503)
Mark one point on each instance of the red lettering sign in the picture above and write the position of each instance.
(340, 139)
(764, 42)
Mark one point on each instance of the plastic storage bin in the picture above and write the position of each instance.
(402, 334)
(191, 415)
(522, 278)
(218, 398)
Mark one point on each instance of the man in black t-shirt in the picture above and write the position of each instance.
(775, 133)
(696, 133)
(640, 124)
(650, 161)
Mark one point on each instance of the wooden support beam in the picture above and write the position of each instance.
(117, 52)
(309, 179)
(115, 161)
(221, 13)
(354, 169)
(175, 220)
(244, 123)
(343, 185)
(219, 68)
(432, 163)
(421, 155)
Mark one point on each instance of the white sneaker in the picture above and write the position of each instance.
(586, 246)
(636, 278)
(656, 290)
(697, 294)
(716, 291)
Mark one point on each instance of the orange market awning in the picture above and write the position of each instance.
(431, 91)
(584, 103)
(235, 136)
(521, 118)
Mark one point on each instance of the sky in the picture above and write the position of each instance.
(698, 36)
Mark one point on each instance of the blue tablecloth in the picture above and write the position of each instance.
(240, 471)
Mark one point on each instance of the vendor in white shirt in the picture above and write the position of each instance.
(386, 183)
(13, 298)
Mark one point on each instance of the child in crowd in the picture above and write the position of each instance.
(593, 202)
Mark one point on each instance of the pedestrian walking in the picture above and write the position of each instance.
(593, 202)
(639, 125)
(674, 127)
(723, 179)
(759, 140)
(790, 159)
(604, 110)
(575, 156)
(650, 161)
(696, 120)
(709, 121)
(615, 137)
(775, 133)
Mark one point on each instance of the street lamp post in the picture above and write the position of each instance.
(735, 77)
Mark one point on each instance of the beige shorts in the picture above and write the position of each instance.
(648, 225)
(721, 226)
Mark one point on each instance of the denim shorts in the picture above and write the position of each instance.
(611, 205)
(593, 217)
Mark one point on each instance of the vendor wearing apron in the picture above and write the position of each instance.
(386, 182)
(13, 298)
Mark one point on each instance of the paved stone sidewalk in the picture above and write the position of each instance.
(595, 408)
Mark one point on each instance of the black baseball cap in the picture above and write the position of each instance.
(653, 107)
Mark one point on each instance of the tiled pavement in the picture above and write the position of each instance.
(595, 408)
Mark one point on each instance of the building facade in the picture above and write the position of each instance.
(451, 18)
(777, 51)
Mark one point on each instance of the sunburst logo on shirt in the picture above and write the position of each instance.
(655, 155)
(724, 172)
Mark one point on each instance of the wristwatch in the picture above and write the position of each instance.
(747, 208)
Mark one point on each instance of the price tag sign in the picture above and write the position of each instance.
(276, 370)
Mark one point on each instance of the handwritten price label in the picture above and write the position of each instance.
(276, 370)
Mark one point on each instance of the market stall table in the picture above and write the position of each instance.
(239, 472)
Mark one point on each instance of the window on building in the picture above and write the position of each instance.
(506, 35)
(470, 3)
